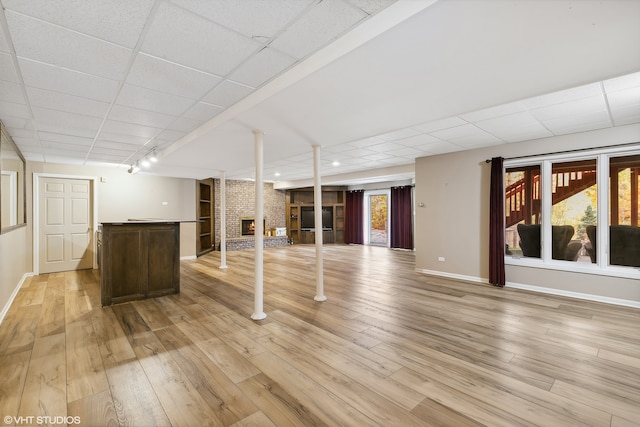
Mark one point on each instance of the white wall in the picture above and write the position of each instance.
(454, 223)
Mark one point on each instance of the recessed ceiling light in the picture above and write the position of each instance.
(277, 174)
(336, 163)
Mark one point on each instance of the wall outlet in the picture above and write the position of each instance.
(441, 258)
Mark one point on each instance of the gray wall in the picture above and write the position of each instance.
(454, 223)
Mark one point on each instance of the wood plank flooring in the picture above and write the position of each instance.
(390, 347)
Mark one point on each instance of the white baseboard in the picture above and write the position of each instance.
(6, 307)
(539, 289)
(578, 295)
(453, 276)
(188, 258)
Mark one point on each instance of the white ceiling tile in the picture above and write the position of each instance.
(170, 135)
(563, 96)
(107, 157)
(377, 156)
(4, 45)
(227, 93)
(147, 99)
(371, 6)
(182, 37)
(489, 113)
(18, 128)
(626, 115)
(37, 40)
(65, 139)
(59, 157)
(417, 140)
(203, 111)
(120, 138)
(29, 144)
(119, 151)
(262, 67)
(118, 21)
(624, 82)
(112, 126)
(66, 123)
(335, 157)
(13, 110)
(50, 77)
(167, 77)
(433, 126)
(398, 134)
(144, 117)
(11, 92)
(578, 123)
(325, 22)
(466, 136)
(358, 152)
(357, 144)
(354, 161)
(184, 124)
(253, 18)
(59, 147)
(7, 69)
(64, 102)
(571, 108)
(406, 152)
(385, 147)
(440, 147)
(624, 98)
(105, 146)
(514, 127)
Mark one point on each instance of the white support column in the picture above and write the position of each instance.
(258, 311)
(317, 211)
(223, 220)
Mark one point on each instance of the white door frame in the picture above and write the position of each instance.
(36, 213)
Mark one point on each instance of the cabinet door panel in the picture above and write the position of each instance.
(162, 268)
(125, 249)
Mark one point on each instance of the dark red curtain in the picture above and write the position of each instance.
(496, 223)
(354, 217)
(401, 218)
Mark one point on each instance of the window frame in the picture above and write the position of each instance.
(545, 161)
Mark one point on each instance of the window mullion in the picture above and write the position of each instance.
(547, 196)
(602, 250)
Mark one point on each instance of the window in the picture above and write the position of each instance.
(558, 209)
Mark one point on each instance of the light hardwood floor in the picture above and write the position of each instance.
(390, 347)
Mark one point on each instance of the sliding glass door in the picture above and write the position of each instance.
(378, 218)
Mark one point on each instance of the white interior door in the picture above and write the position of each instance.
(66, 235)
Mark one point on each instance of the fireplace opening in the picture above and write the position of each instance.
(248, 226)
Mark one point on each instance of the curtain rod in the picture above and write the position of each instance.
(577, 150)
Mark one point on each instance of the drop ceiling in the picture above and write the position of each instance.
(375, 83)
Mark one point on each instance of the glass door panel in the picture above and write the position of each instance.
(378, 219)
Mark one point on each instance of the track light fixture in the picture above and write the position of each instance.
(134, 168)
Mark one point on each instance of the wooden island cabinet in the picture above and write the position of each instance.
(139, 259)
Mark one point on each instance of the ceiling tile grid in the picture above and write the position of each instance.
(164, 67)
(111, 80)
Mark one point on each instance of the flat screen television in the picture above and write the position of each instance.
(307, 218)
